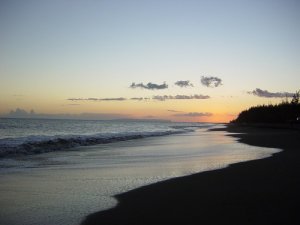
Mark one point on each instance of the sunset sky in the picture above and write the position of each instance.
(73, 57)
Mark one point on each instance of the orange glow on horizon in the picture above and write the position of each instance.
(222, 109)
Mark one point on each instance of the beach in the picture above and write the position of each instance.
(65, 185)
(263, 191)
(139, 112)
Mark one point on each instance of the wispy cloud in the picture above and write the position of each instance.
(113, 99)
(266, 94)
(194, 114)
(149, 86)
(173, 111)
(184, 83)
(137, 99)
(211, 81)
(140, 99)
(97, 99)
(156, 97)
(171, 97)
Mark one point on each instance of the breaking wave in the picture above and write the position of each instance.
(10, 147)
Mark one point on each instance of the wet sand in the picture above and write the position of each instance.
(264, 191)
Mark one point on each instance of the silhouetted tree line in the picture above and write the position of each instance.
(285, 112)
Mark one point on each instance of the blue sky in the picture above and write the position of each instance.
(54, 50)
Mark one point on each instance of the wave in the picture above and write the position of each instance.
(10, 147)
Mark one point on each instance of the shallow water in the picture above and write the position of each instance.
(62, 188)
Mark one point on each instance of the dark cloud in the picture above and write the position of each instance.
(266, 94)
(96, 99)
(149, 86)
(170, 97)
(211, 81)
(184, 83)
(194, 114)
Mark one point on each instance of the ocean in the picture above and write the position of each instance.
(59, 171)
(34, 136)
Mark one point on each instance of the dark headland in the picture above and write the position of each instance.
(259, 192)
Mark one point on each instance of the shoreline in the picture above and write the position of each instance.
(263, 191)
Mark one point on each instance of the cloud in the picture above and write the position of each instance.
(174, 111)
(191, 97)
(80, 99)
(113, 99)
(160, 97)
(139, 99)
(21, 113)
(156, 97)
(149, 86)
(96, 99)
(18, 113)
(266, 94)
(170, 97)
(211, 81)
(194, 114)
(184, 83)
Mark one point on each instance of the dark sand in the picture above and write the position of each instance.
(265, 191)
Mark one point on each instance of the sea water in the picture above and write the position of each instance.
(32, 136)
(59, 171)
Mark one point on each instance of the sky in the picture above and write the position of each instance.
(183, 60)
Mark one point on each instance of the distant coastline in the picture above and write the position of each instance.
(283, 115)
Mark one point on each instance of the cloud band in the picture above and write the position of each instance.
(266, 94)
(194, 114)
(170, 97)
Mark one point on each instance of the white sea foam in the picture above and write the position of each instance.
(22, 137)
(41, 144)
